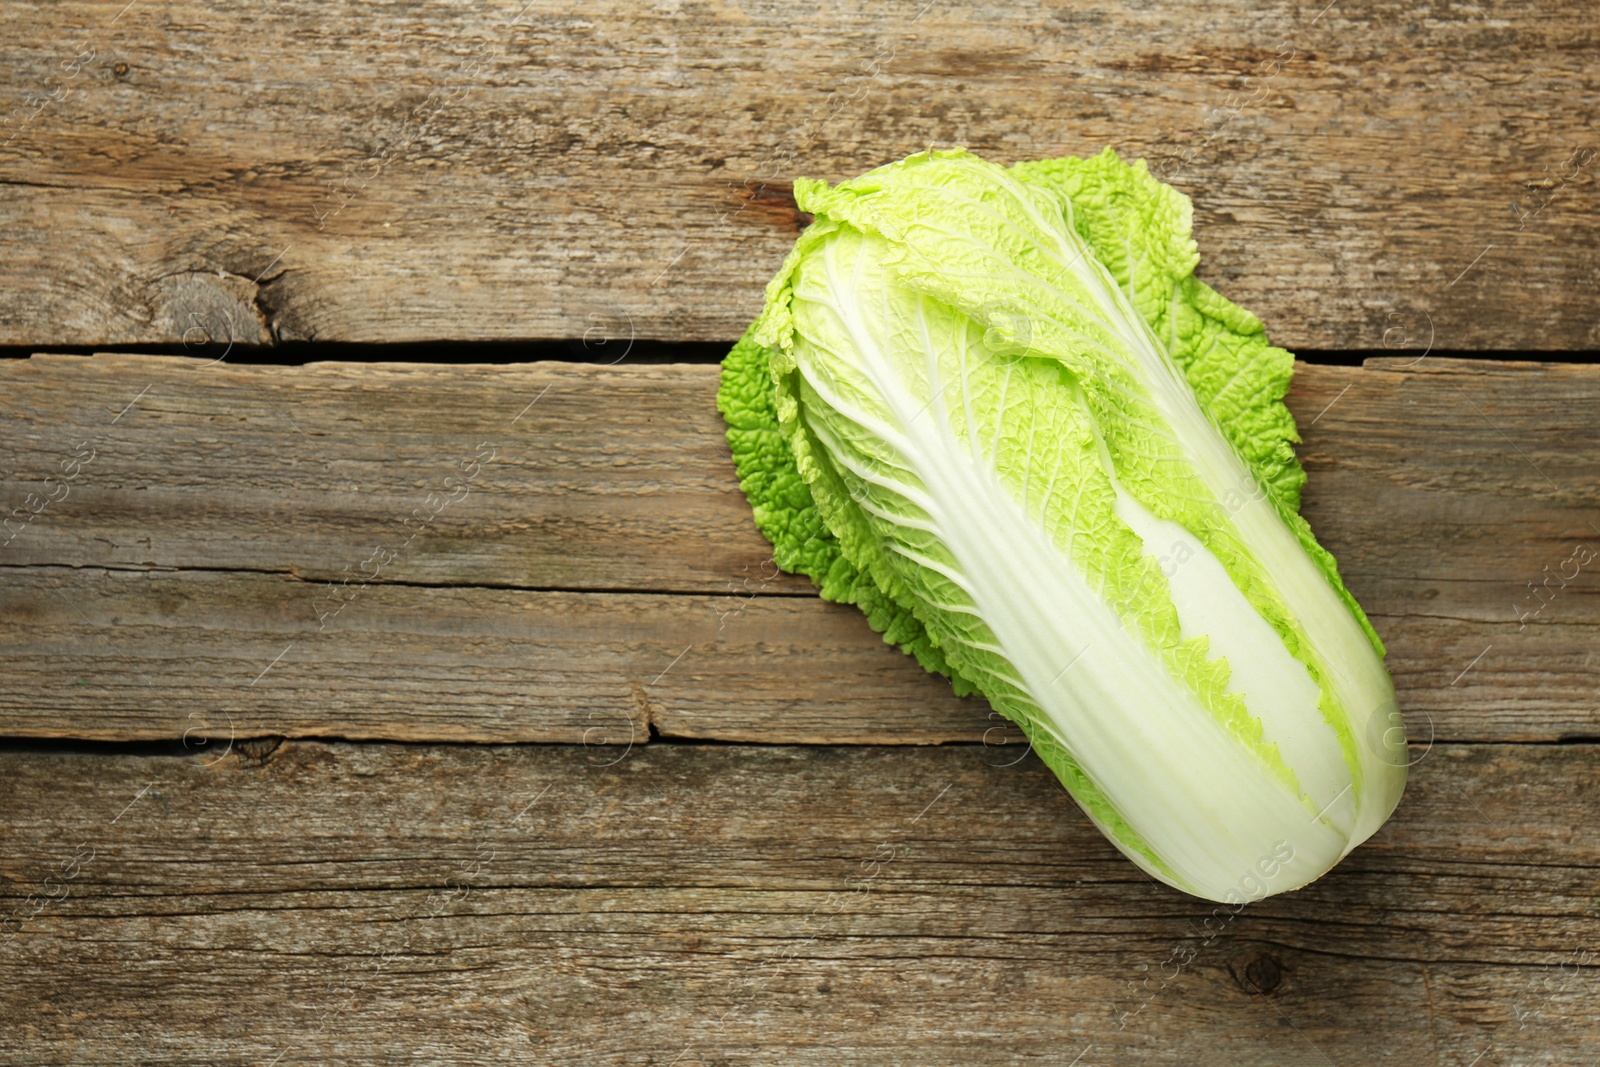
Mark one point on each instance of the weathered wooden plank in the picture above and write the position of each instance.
(197, 515)
(1370, 172)
(367, 903)
(549, 475)
(119, 654)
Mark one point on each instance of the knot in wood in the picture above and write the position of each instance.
(1263, 975)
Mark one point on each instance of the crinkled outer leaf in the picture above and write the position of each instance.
(1142, 230)
(787, 516)
(972, 371)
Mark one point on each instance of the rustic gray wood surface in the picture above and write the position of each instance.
(252, 550)
(572, 776)
(373, 904)
(1366, 173)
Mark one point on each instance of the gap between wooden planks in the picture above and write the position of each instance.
(558, 552)
(336, 903)
(1362, 171)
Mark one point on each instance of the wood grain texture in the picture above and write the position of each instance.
(543, 476)
(251, 551)
(111, 654)
(729, 904)
(1366, 174)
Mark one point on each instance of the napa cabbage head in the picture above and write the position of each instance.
(994, 408)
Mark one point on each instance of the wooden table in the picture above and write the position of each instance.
(379, 686)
